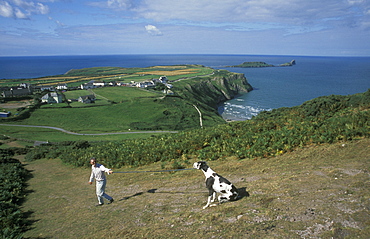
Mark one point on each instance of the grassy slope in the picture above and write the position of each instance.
(315, 192)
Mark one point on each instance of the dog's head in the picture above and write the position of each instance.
(201, 165)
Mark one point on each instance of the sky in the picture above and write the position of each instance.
(247, 27)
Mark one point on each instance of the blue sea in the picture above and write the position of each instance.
(274, 87)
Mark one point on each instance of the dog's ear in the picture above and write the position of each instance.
(201, 165)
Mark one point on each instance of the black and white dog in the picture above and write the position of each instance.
(216, 184)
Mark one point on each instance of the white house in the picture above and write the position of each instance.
(163, 79)
(24, 85)
(93, 84)
(62, 87)
(98, 83)
(87, 86)
(52, 98)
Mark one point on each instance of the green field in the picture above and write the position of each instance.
(108, 118)
(116, 109)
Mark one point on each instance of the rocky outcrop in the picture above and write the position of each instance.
(291, 63)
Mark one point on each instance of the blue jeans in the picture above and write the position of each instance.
(100, 191)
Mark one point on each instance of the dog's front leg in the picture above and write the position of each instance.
(208, 201)
(211, 193)
(211, 199)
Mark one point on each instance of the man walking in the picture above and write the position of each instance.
(98, 172)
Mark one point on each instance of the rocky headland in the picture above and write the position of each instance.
(257, 64)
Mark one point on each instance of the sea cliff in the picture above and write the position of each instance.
(213, 90)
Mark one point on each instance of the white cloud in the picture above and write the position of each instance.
(6, 10)
(121, 4)
(271, 14)
(153, 30)
(116, 5)
(310, 14)
(22, 9)
(19, 14)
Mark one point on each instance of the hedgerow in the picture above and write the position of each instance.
(322, 120)
(13, 177)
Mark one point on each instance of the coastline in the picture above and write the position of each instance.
(274, 87)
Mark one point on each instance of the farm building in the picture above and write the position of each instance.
(86, 99)
(16, 92)
(46, 88)
(4, 114)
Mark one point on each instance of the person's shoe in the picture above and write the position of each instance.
(110, 201)
(98, 205)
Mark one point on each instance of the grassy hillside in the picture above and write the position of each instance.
(148, 112)
(314, 192)
(303, 172)
(322, 120)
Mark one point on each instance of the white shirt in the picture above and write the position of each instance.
(97, 172)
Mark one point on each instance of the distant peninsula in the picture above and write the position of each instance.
(256, 64)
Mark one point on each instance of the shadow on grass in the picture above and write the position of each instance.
(128, 197)
(173, 192)
(154, 190)
(242, 193)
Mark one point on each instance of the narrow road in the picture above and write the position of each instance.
(200, 116)
(70, 132)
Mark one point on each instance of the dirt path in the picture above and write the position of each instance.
(70, 132)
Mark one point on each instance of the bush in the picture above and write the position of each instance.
(13, 177)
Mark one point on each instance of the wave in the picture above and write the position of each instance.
(241, 112)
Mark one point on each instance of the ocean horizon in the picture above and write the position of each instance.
(274, 87)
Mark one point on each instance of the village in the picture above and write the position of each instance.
(52, 96)
(53, 93)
